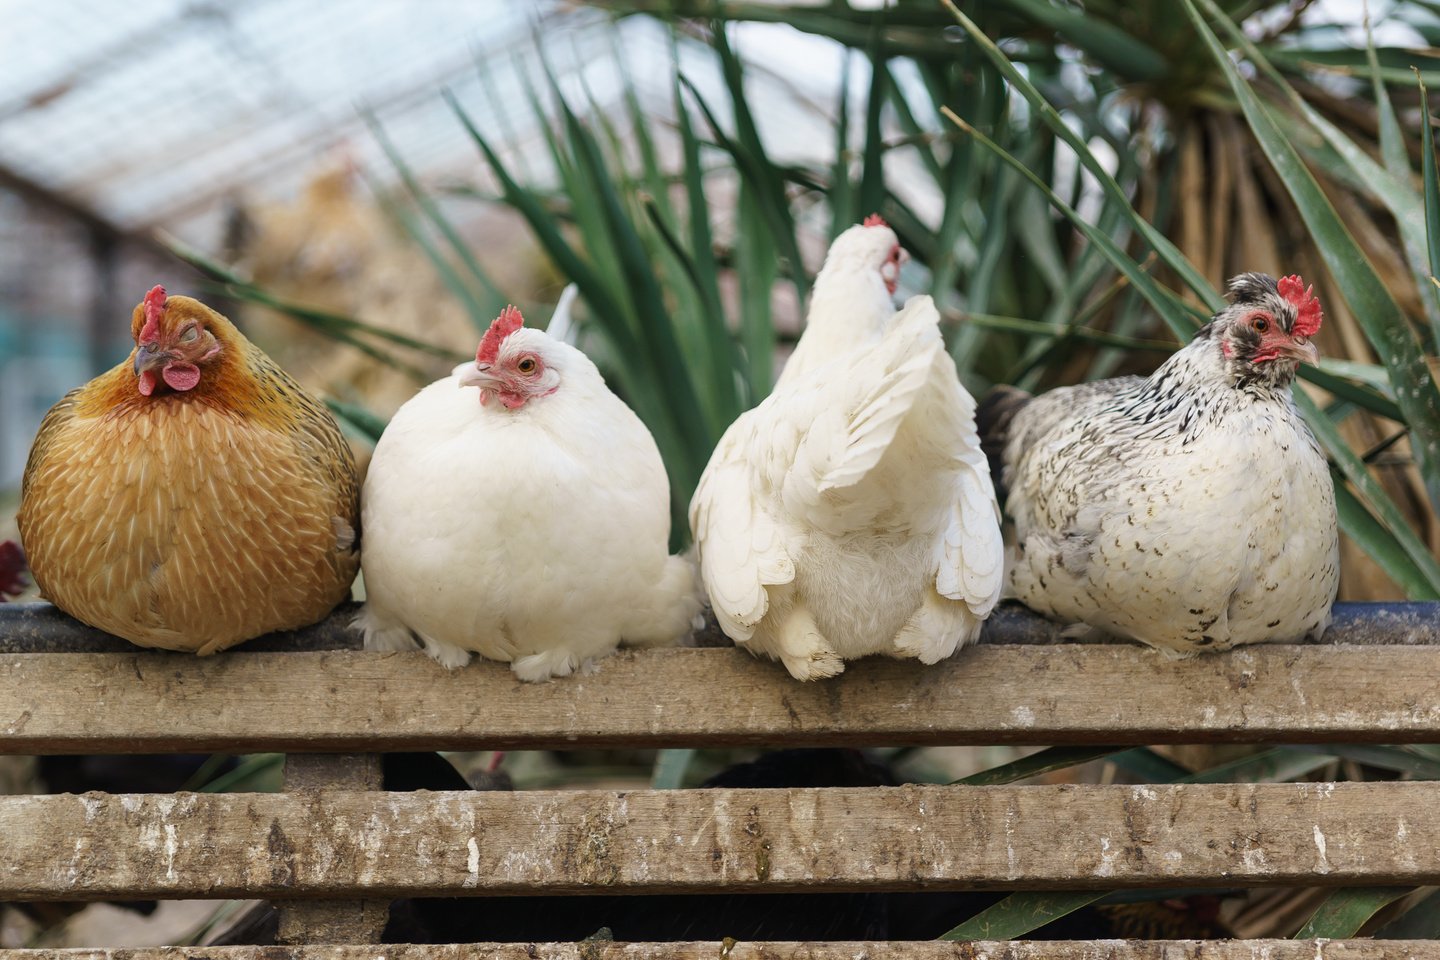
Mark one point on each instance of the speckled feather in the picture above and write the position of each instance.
(1192, 510)
(193, 520)
(852, 513)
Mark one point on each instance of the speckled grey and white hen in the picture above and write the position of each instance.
(1192, 509)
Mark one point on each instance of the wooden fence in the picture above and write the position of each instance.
(334, 848)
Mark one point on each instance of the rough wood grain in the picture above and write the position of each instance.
(345, 701)
(41, 628)
(332, 771)
(332, 921)
(345, 845)
(728, 950)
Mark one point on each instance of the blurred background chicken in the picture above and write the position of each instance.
(194, 496)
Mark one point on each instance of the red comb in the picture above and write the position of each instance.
(507, 323)
(1307, 307)
(875, 220)
(154, 309)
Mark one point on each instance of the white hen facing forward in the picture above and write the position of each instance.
(526, 520)
(852, 512)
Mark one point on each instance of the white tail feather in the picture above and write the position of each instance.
(562, 324)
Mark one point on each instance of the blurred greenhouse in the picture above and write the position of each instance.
(363, 184)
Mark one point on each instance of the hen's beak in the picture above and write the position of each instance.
(148, 359)
(1302, 350)
(477, 375)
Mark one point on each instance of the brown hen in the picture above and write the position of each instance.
(194, 496)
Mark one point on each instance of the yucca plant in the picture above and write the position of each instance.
(1159, 100)
(1075, 184)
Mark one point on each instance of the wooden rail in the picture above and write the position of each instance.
(349, 845)
(329, 921)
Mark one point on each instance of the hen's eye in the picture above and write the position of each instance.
(190, 335)
(527, 365)
(1260, 324)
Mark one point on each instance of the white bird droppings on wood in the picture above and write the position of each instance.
(1322, 863)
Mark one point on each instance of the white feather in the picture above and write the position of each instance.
(851, 512)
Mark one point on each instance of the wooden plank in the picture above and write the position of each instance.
(730, 950)
(41, 628)
(332, 921)
(343, 845)
(344, 701)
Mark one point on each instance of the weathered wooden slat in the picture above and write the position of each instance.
(332, 921)
(343, 845)
(350, 701)
(41, 628)
(728, 950)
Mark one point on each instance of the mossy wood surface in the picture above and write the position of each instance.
(728, 950)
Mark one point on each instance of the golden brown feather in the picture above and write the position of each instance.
(192, 519)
